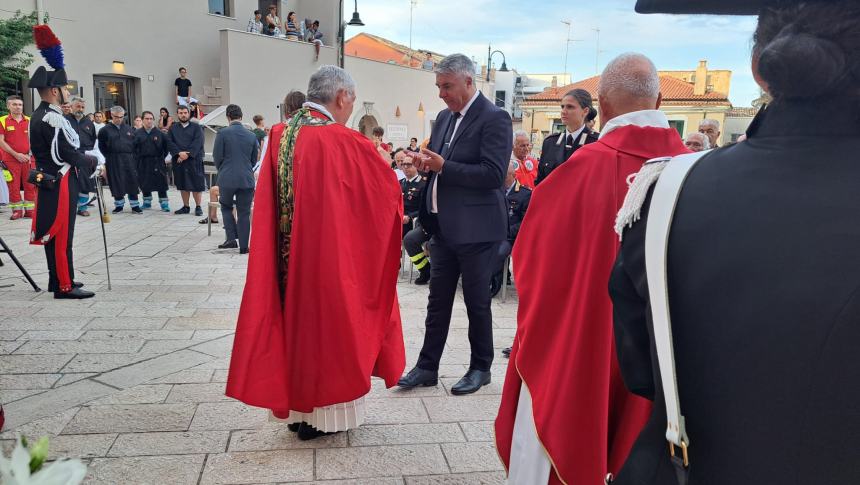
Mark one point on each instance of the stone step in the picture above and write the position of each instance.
(211, 91)
(216, 83)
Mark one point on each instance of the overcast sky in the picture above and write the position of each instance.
(532, 37)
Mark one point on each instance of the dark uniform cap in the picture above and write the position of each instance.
(715, 7)
(43, 78)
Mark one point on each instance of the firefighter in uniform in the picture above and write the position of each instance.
(558, 147)
(54, 143)
(15, 155)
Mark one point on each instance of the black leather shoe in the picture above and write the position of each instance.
(243, 251)
(198, 211)
(495, 285)
(117, 210)
(74, 294)
(294, 427)
(419, 377)
(308, 432)
(137, 210)
(471, 382)
(229, 245)
(506, 352)
(183, 210)
(77, 284)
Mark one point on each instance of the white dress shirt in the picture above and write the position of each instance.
(434, 207)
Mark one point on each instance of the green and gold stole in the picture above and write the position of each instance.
(286, 189)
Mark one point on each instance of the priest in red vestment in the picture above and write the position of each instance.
(566, 416)
(319, 314)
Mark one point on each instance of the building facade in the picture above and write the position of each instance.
(687, 99)
(127, 53)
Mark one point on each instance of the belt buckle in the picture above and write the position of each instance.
(683, 452)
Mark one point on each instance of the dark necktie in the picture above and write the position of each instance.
(568, 146)
(449, 133)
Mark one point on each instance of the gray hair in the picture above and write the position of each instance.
(326, 82)
(456, 64)
(632, 74)
(117, 110)
(521, 133)
(710, 122)
(706, 143)
(75, 99)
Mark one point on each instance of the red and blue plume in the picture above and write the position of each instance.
(49, 45)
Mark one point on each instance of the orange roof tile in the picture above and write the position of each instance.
(675, 91)
(369, 46)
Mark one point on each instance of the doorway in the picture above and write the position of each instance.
(115, 91)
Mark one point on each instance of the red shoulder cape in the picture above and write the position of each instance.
(339, 322)
(564, 350)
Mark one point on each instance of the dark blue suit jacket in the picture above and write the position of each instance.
(470, 196)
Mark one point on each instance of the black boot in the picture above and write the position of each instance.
(423, 275)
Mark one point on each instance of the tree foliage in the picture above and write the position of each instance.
(16, 33)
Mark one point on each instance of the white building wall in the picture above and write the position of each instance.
(152, 38)
(382, 88)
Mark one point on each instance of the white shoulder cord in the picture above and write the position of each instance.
(59, 123)
(660, 215)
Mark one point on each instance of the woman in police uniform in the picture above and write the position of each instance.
(558, 147)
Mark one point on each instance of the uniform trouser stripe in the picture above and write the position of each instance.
(59, 231)
(424, 262)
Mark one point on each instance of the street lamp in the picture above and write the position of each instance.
(490, 61)
(356, 21)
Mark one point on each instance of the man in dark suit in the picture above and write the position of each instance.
(464, 210)
(235, 153)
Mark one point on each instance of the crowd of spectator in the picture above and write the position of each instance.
(291, 29)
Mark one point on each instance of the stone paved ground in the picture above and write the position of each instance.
(132, 381)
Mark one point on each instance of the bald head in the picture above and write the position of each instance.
(629, 83)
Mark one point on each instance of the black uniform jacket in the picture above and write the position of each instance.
(150, 150)
(518, 202)
(411, 195)
(41, 137)
(764, 292)
(553, 153)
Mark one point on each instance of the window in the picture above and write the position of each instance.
(501, 97)
(678, 125)
(221, 7)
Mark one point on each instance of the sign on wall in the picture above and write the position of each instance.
(397, 132)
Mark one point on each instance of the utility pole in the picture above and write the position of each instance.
(567, 42)
(597, 54)
(412, 5)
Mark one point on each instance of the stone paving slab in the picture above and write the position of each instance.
(379, 461)
(170, 443)
(132, 381)
(258, 467)
(146, 470)
(131, 418)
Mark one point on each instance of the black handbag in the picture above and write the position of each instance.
(42, 179)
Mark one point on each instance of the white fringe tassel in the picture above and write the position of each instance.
(631, 210)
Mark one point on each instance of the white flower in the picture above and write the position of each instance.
(16, 470)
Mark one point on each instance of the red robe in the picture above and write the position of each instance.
(337, 322)
(564, 350)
